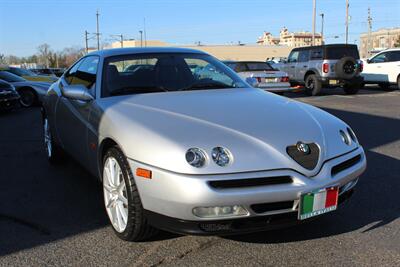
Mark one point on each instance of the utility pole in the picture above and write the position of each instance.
(141, 38)
(97, 31)
(313, 21)
(347, 21)
(86, 42)
(120, 38)
(322, 27)
(369, 31)
(145, 32)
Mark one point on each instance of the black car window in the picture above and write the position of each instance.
(338, 52)
(84, 72)
(259, 66)
(293, 57)
(304, 56)
(381, 58)
(240, 67)
(394, 56)
(316, 53)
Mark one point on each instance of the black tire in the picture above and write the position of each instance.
(313, 85)
(352, 89)
(398, 82)
(137, 228)
(54, 152)
(385, 86)
(28, 97)
(346, 68)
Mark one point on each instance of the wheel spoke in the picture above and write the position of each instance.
(123, 199)
(123, 213)
(108, 188)
(119, 217)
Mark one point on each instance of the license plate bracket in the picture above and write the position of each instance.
(318, 202)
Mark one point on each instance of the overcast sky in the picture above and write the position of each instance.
(25, 24)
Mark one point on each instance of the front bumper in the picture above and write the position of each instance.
(9, 101)
(175, 195)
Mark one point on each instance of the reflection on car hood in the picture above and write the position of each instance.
(256, 126)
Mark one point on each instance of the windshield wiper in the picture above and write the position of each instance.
(138, 90)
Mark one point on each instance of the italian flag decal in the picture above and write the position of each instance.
(319, 202)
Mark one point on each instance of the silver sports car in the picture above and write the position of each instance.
(195, 152)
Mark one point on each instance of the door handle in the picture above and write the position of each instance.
(305, 66)
(292, 67)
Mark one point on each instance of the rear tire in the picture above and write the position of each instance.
(398, 82)
(134, 226)
(385, 86)
(28, 97)
(313, 85)
(352, 89)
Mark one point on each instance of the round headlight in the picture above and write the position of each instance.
(352, 135)
(196, 157)
(221, 156)
(345, 137)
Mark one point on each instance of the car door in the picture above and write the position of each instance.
(302, 64)
(374, 69)
(290, 66)
(72, 115)
(393, 66)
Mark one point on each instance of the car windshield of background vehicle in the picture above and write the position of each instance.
(338, 52)
(9, 77)
(259, 66)
(165, 72)
(22, 72)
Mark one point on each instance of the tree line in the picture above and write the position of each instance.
(46, 57)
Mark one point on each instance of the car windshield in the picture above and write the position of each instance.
(9, 77)
(22, 72)
(166, 72)
(257, 66)
(338, 52)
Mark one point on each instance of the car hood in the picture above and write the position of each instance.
(256, 126)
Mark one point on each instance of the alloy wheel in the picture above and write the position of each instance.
(47, 138)
(115, 194)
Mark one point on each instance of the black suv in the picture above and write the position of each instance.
(325, 66)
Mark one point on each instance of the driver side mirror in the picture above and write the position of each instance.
(77, 92)
(368, 60)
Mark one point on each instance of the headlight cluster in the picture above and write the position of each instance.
(198, 157)
(348, 136)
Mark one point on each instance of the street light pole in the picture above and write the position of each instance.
(347, 21)
(97, 32)
(313, 21)
(86, 42)
(141, 38)
(322, 27)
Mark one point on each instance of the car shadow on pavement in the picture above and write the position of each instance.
(369, 90)
(375, 202)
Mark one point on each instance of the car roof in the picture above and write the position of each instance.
(141, 50)
(322, 46)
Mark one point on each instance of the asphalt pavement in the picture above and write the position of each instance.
(54, 215)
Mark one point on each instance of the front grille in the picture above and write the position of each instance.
(251, 182)
(274, 206)
(345, 165)
(306, 160)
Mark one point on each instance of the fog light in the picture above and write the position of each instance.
(220, 211)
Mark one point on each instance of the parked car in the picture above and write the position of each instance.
(31, 92)
(265, 76)
(332, 65)
(9, 97)
(383, 69)
(29, 75)
(196, 154)
(55, 72)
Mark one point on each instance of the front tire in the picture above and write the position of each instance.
(28, 98)
(53, 151)
(313, 85)
(121, 199)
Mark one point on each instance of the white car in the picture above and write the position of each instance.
(262, 74)
(383, 69)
